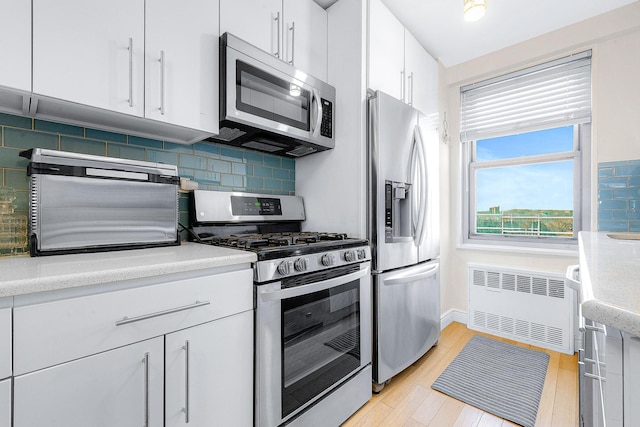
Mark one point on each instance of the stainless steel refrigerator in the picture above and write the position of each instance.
(403, 228)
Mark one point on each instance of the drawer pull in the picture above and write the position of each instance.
(125, 320)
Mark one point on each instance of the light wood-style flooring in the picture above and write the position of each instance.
(409, 401)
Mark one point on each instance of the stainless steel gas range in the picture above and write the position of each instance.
(313, 307)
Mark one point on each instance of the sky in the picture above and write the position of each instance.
(540, 186)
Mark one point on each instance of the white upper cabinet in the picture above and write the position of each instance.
(305, 40)
(108, 55)
(422, 76)
(181, 68)
(258, 22)
(294, 31)
(398, 64)
(91, 53)
(15, 44)
(386, 52)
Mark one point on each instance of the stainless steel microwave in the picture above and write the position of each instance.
(268, 105)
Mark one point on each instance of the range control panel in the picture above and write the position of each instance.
(243, 205)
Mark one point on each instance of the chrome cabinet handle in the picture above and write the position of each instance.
(131, 72)
(292, 29)
(402, 85)
(162, 66)
(125, 320)
(146, 389)
(186, 381)
(410, 78)
(277, 20)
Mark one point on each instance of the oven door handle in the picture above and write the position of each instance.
(313, 287)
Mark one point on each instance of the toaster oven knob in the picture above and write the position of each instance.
(350, 256)
(301, 264)
(285, 267)
(328, 260)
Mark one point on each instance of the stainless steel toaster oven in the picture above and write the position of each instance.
(86, 203)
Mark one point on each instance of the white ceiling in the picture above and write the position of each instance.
(440, 28)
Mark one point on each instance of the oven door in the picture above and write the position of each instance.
(313, 332)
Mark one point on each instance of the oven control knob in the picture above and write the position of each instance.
(350, 256)
(301, 264)
(328, 260)
(285, 267)
(362, 254)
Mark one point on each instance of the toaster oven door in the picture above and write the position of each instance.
(82, 214)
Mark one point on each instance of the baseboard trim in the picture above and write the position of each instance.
(453, 315)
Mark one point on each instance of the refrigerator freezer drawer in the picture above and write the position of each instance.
(407, 317)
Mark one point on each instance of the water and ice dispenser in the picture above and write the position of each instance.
(397, 212)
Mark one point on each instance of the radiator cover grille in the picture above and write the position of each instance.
(527, 306)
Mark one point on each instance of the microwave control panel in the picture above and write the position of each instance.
(326, 128)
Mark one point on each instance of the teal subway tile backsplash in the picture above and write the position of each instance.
(25, 139)
(84, 146)
(105, 135)
(53, 127)
(126, 152)
(213, 166)
(619, 196)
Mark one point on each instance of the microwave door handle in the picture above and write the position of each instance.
(282, 294)
(316, 98)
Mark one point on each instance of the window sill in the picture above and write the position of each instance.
(566, 250)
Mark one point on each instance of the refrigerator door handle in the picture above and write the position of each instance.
(412, 276)
(424, 190)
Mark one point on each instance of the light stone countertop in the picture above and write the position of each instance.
(610, 276)
(24, 275)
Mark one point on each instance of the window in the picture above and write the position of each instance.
(526, 139)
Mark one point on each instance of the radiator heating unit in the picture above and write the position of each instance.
(532, 307)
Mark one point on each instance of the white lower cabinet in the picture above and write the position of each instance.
(120, 387)
(209, 374)
(150, 353)
(5, 403)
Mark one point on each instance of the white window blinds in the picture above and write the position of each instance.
(553, 94)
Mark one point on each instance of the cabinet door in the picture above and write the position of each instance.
(181, 69)
(422, 76)
(258, 22)
(91, 53)
(386, 51)
(15, 44)
(5, 341)
(305, 40)
(209, 374)
(121, 387)
(5, 403)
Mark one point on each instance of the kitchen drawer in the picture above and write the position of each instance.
(49, 333)
(5, 340)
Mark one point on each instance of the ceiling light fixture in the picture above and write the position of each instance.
(474, 9)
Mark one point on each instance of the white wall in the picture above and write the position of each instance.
(615, 40)
(331, 181)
